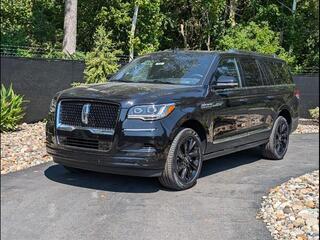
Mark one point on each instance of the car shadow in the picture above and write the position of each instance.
(119, 183)
(230, 161)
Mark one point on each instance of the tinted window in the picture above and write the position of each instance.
(227, 67)
(278, 72)
(170, 68)
(251, 72)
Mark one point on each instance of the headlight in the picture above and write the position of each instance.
(53, 104)
(151, 112)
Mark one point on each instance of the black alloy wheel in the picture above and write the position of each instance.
(184, 161)
(188, 159)
(278, 142)
(282, 137)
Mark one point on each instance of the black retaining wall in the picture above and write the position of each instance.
(39, 79)
(309, 92)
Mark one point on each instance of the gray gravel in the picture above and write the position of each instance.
(46, 202)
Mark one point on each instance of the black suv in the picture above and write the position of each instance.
(165, 113)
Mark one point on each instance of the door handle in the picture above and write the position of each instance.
(244, 100)
(271, 97)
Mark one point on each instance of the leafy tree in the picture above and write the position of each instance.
(194, 24)
(103, 60)
(16, 22)
(28, 23)
(117, 18)
(163, 24)
(299, 32)
(254, 37)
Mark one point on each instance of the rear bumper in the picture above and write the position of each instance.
(144, 162)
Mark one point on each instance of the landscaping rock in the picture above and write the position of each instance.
(307, 126)
(23, 148)
(291, 210)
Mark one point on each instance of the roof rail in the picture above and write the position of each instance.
(252, 53)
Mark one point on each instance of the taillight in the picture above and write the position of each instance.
(297, 93)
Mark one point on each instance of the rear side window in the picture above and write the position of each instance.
(278, 72)
(251, 72)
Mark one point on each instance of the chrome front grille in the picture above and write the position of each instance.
(101, 118)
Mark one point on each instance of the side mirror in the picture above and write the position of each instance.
(226, 82)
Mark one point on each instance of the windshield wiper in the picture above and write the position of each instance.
(153, 81)
(158, 81)
(120, 80)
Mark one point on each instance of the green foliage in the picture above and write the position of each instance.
(56, 53)
(253, 37)
(299, 32)
(117, 17)
(203, 22)
(11, 109)
(103, 60)
(314, 113)
(28, 22)
(16, 22)
(163, 24)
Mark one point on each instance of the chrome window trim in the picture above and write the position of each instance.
(238, 72)
(258, 87)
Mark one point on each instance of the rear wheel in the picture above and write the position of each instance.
(277, 145)
(184, 161)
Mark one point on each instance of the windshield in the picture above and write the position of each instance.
(168, 68)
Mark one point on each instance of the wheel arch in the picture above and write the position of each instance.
(285, 112)
(194, 124)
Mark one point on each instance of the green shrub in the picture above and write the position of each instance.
(314, 113)
(11, 109)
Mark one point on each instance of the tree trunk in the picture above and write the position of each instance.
(132, 32)
(232, 13)
(70, 26)
(208, 32)
(185, 43)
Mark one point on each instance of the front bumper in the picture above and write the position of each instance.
(137, 148)
(145, 162)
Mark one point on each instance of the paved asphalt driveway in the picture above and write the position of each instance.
(46, 202)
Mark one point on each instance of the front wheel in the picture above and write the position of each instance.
(277, 145)
(184, 161)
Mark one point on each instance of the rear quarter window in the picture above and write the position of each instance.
(251, 72)
(278, 72)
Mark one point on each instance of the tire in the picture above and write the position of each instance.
(271, 150)
(73, 170)
(184, 161)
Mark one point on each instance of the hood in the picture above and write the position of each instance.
(129, 94)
